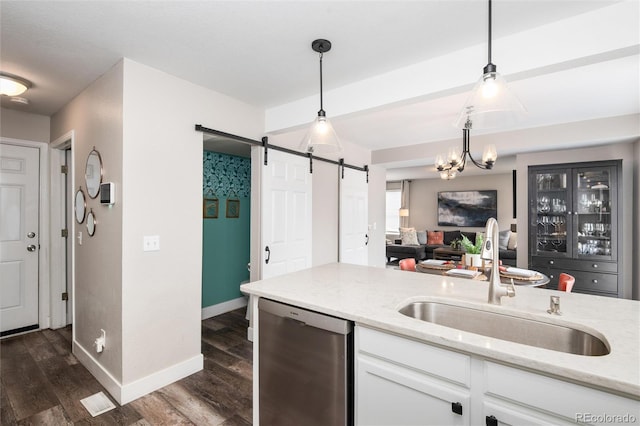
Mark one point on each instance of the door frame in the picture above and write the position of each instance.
(44, 308)
(58, 248)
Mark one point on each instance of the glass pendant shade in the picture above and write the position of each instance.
(491, 104)
(321, 138)
(489, 154)
(12, 86)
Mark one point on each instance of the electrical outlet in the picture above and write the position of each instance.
(151, 243)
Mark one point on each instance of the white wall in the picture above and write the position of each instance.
(24, 125)
(96, 117)
(149, 303)
(162, 194)
(624, 152)
(423, 210)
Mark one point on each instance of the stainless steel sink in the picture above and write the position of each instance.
(507, 327)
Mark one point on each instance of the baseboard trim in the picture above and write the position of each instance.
(224, 307)
(110, 383)
(127, 393)
(161, 378)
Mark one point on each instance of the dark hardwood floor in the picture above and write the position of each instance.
(42, 382)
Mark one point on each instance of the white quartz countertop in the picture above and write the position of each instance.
(372, 296)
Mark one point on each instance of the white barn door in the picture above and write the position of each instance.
(286, 214)
(354, 237)
(19, 237)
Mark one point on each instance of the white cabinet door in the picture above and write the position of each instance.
(19, 236)
(388, 394)
(286, 214)
(354, 218)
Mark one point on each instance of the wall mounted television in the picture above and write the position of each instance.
(467, 208)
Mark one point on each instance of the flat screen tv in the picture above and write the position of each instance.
(467, 208)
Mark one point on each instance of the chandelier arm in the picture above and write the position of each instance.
(480, 165)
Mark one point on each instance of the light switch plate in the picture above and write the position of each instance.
(151, 243)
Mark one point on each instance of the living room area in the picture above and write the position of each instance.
(419, 200)
(544, 226)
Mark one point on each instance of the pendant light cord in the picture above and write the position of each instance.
(321, 106)
(489, 32)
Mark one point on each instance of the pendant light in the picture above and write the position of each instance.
(321, 138)
(491, 103)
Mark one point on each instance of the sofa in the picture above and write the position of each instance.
(426, 245)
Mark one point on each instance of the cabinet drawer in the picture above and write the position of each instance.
(545, 262)
(573, 264)
(606, 283)
(568, 400)
(452, 366)
(595, 266)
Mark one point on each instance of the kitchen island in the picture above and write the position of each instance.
(371, 298)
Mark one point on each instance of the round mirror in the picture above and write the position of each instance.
(91, 223)
(80, 205)
(93, 173)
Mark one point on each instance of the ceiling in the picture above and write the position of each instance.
(259, 52)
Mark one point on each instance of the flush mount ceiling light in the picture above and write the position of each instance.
(491, 103)
(456, 161)
(321, 138)
(12, 85)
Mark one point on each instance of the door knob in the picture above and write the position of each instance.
(31, 247)
(31, 234)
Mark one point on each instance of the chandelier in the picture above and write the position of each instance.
(456, 161)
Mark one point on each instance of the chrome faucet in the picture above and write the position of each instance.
(490, 252)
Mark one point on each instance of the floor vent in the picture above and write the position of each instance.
(97, 404)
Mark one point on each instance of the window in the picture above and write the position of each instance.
(393, 211)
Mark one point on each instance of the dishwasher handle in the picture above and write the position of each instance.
(306, 317)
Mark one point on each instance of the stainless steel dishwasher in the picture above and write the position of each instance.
(306, 367)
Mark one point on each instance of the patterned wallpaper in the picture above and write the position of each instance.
(226, 175)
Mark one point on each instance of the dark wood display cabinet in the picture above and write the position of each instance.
(573, 224)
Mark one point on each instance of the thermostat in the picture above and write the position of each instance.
(107, 193)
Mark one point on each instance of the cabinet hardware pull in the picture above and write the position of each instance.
(595, 265)
(456, 407)
(268, 254)
(491, 421)
(595, 281)
(551, 262)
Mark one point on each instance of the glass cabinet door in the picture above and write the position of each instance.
(594, 210)
(552, 213)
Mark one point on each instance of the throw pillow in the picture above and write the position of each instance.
(435, 237)
(409, 237)
(503, 239)
(513, 241)
(422, 237)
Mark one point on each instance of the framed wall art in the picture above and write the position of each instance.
(210, 208)
(467, 208)
(233, 208)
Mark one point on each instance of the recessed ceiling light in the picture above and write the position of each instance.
(12, 85)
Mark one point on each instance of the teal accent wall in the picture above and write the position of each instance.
(225, 241)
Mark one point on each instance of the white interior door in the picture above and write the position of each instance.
(354, 238)
(286, 214)
(19, 237)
